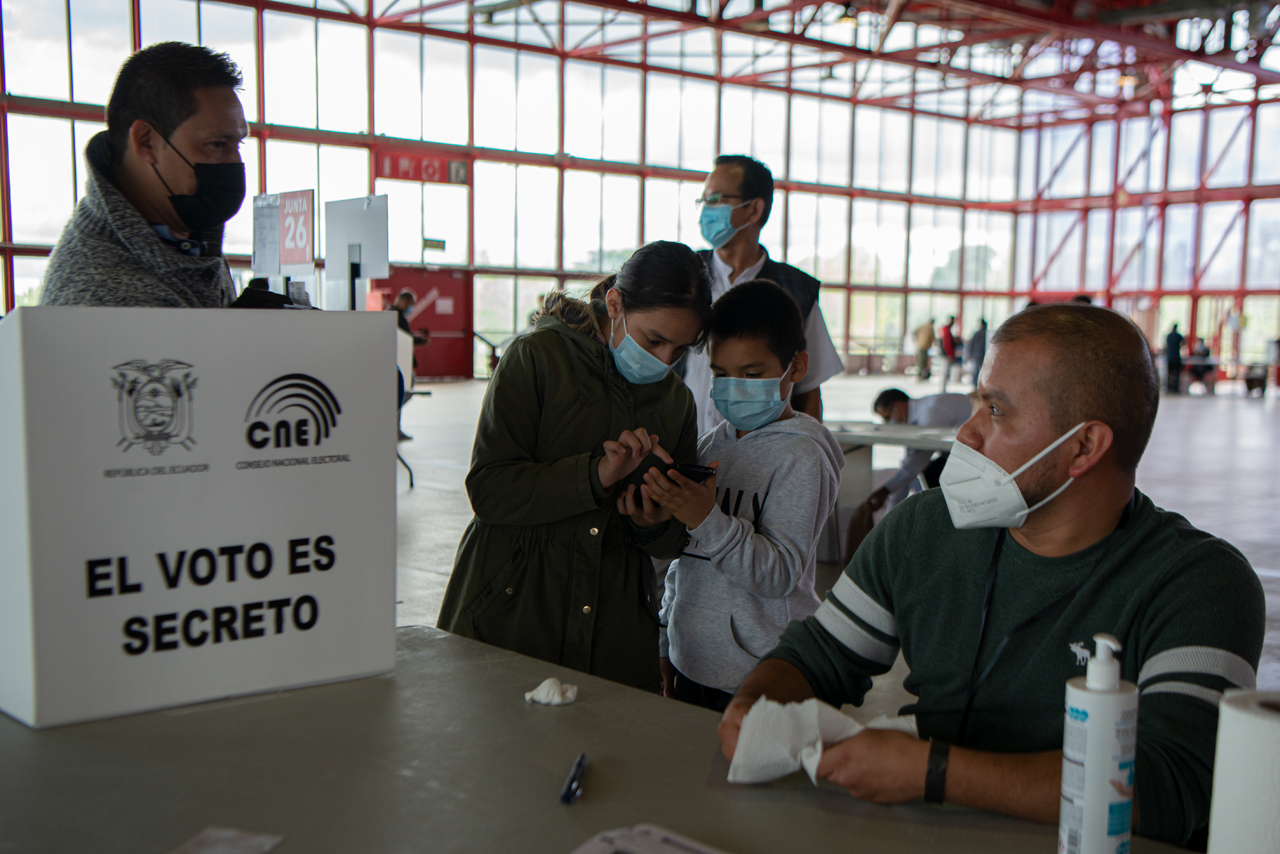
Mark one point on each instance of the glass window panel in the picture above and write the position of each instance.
(769, 131)
(698, 125)
(621, 219)
(445, 68)
(583, 111)
(295, 166)
(404, 219)
(397, 84)
(950, 159)
(538, 103)
(735, 119)
(83, 132)
(537, 211)
(1264, 245)
(770, 232)
(1266, 167)
(833, 238)
(360, 7)
(101, 40)
(494, 305)
(804, 140)
(1062, 156)
(1228, 147)
(1022, 254)
(445, 218)
(662, 212)
(993, 161)
(43, 190)
(35, 49)
(895, 128)
(837, 137)
(27, 276)
(935, 247)
(1221, 233)
(496, 90)
(230, 29)
(1137, 248)
(1095, 257)
(832, 303)
(289, 70)
(1102, 165)
(1058, 251)
(802, 220)
(924, 176)
(863, 242)
(891, 249)
(987, 250)
(529, 293)
(866, 147)
(238, 237)
(662, 138)
(582, 221)
(343, 77)
(169, 21)
(1027, 163)
(1184, 151)
(622, 114)
(1179, 251)
(495, 207)
(344, 174)
(1262, 327)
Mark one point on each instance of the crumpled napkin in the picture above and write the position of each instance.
(777, 739)
(552, 692)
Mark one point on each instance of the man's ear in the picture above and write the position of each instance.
(143, 141)
(799, 366)
(1091, 444)
(756, 212)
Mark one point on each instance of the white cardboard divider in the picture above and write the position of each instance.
(194, 504)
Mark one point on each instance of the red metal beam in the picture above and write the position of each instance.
(400, 16)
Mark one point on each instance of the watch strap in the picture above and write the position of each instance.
(935, 779)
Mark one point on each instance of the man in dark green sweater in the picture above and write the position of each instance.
(992, 620)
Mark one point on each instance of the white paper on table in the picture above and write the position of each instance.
(552, 692)
(778, 739)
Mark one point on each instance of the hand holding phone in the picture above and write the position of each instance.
(695, 473)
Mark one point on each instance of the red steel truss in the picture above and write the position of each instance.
(1055, 55)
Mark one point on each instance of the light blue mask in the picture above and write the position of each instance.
(636, 364)
(716, 225)
(748, 404)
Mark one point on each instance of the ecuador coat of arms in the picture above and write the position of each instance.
(155, 408)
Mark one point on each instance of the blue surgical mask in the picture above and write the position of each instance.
(636, 364)
(716, 224)
(749, 404)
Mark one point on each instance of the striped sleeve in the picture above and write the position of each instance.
(1196, 671)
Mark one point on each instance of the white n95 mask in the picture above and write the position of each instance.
(980, 494)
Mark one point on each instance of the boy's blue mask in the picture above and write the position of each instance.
(749, 404)
(636, 364)
(716, 224)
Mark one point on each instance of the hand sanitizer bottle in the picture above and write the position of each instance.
(1098, 745)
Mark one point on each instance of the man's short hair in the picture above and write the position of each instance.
(757, 180)
(157, 85)
(760, 309)
(887, 398)
(1100, 369)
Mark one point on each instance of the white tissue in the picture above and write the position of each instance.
(552, 692)
(777, 739)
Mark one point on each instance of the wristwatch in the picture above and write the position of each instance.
(935, 778)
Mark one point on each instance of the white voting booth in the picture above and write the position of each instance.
(194, 504)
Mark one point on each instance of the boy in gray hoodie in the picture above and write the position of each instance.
(748, 568)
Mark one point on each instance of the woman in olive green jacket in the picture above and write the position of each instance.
(576, 412)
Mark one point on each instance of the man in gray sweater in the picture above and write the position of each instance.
(164, 177)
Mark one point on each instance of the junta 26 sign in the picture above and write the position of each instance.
(296, 239)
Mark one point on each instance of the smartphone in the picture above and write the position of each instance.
(695, 473)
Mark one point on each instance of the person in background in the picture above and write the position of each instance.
(748, 569)
(934, 410)
(550, 567)
(421, 337)
(924, 339)
(1173, 360)
(736, 200)
(164, 178)
(1202, 369)
(950, 350)
(988, 608)
(976, 349)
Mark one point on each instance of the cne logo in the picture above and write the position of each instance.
(155, 408)
(304, 410)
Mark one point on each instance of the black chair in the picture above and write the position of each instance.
(401, 399)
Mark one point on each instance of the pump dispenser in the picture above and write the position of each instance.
(1098, 745)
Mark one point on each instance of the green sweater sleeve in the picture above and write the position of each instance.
(506, 484)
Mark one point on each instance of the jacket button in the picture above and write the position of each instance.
(510, 590)
(586, 609)
(594, 531)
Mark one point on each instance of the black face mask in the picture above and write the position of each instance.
(219, 193)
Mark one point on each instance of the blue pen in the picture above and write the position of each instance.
(573, 785)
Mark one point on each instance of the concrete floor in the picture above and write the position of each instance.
(1216, 460)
